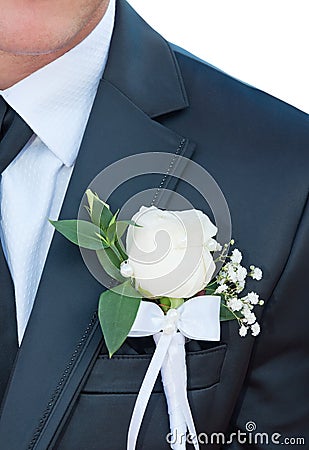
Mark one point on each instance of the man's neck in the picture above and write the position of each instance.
(14, 68)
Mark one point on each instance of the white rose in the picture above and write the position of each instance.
(169, 253)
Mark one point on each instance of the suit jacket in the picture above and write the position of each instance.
(65, 393)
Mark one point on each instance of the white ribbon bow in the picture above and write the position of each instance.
(198, 318)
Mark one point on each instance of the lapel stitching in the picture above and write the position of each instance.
(168, 172)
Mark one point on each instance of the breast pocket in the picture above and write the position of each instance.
(101, 417)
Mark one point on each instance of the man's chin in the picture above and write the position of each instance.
(20, 50)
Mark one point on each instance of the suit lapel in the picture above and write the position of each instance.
(63, 336)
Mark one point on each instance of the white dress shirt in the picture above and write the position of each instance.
(56, 102)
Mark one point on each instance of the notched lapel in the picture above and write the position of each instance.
(143, 66)
(63, 336)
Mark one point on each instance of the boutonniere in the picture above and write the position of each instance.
(166, 287)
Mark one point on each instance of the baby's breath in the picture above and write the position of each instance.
(230, 282)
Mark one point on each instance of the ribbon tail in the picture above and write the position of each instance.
(190, 422)
(174, 379)
(146, 389)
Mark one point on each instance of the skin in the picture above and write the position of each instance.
(35, 32)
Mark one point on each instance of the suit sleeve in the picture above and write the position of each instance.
(275, 394)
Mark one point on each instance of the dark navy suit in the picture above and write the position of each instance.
(65, 393)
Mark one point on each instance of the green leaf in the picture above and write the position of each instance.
(176, 302)
(147, 294)
(210, 289)
(113, 219)
(111, 232)
(90, 197)
(226, 314)
(121, 248)
(80, 232)
(104, 217)
(122, 225)
(99, 211)
(114, 233)
(117, 312)
(165, 304)
(103, 239)
(110, 263)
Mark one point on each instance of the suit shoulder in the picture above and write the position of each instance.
(247, 115)
(209, 82)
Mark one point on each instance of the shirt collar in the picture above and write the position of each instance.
(57, 99)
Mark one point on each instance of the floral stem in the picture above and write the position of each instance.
(117, 253)
(121, 250)
(235, 315)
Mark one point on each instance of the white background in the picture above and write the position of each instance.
(261, 42)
